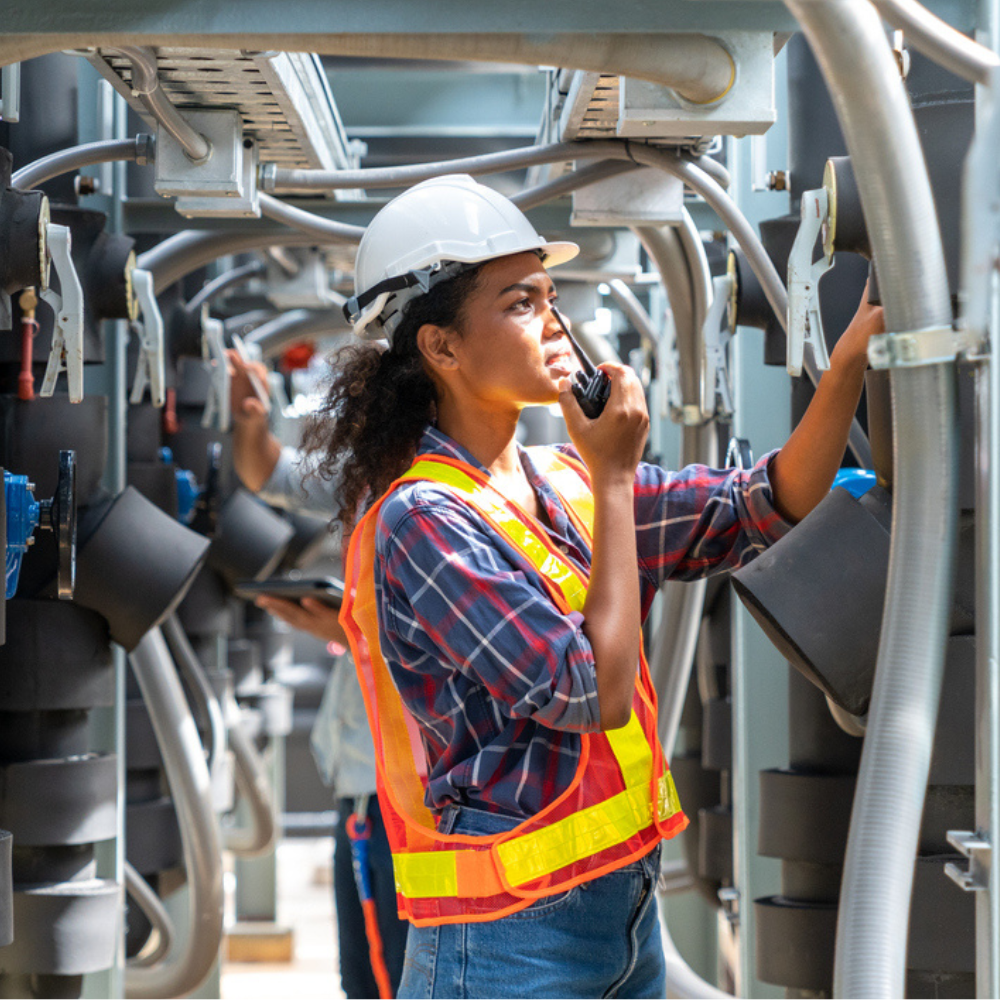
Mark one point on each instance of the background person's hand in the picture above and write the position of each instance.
(255, 449)
(309, 615)
(243, 399)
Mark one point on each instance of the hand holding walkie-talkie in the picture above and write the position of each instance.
(592, 387)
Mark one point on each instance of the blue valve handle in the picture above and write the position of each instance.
(857, 482)
(22, 520)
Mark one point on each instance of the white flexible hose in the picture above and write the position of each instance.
(860, 71)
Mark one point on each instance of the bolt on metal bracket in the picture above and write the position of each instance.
(979, 851)
(805, 324)
(66, 353)
(150, 368)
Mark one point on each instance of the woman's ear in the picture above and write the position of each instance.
(435, 344)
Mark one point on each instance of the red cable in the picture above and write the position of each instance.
(26, 378)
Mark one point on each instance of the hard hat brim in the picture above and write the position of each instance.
(558, 253)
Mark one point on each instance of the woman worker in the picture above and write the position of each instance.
(499, 593)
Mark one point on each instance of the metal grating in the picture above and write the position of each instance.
(283, 98)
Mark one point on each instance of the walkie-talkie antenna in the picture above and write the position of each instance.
(588, 366)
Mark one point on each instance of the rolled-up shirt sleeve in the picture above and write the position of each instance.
(701, 521)
(451, 593)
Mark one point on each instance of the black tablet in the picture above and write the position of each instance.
(327, 589)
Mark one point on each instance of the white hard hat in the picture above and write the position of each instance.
(410, 244)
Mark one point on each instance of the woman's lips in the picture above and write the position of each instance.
(562, 364)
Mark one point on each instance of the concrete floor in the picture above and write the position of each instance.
(305, 903)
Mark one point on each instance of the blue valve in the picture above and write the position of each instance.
(22, 520)
(857, 482)
(188, 492)
(188, 489)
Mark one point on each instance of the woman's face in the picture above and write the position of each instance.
(509, 348)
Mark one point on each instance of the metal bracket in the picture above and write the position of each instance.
(729, 899)
(309, 287)
(934, 346)
(150, 369)
(805, 324)
(981, 215)
(668, 369)
(66, 353)
(10, 102)
(978, 850)
(717, 393)
(214, 350)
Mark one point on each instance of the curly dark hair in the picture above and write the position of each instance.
(379, 401)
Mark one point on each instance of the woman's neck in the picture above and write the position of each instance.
(488, 435)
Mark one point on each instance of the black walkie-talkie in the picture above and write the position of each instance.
(592, 387)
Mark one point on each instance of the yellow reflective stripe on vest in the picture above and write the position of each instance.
(556, 569)
(426, 873)
(577, 836)
(632, 751)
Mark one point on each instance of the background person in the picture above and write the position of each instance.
(341, 740)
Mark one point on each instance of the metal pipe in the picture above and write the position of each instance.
(288, 179)
(273, 336)
(682, 605)
(308, 222)
(701, 274)
(697, 67)
(198, 684)
(184, 252)
(938, 40)
(251, 776)
(139, 149)
(156, 913)
(850, 46)
(635, 312)
(187, 964)
(146, 86)
(223, 282)
(667, 252)
(582, 177)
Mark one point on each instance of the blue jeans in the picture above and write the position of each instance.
(599, 939)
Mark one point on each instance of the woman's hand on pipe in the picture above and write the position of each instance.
(851, 351)
(309, 615)
(802, 472)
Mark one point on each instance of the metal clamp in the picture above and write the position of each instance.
(934, 346)
(717, 394)
(66, 353)
(978, 850)
(150, 369)
(213, 343)
(805, 324)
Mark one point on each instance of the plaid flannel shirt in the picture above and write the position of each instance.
(500, 681)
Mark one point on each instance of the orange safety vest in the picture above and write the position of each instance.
(602, 821)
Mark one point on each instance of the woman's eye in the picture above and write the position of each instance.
(521, 304)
